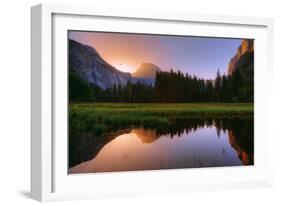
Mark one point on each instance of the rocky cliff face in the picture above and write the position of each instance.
(91, 67)
(145, 74)
(146, 70)
(247, 46)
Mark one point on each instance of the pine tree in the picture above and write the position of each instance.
(218, 86)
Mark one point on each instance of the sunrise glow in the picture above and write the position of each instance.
(195, 55)
(124, 67)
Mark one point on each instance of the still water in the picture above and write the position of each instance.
(206, 145)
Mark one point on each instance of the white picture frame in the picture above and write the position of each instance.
(49, 179)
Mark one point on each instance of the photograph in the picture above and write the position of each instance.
(139, 101)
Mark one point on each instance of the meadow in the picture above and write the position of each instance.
(102, 118)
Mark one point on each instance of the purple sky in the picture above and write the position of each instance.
(195, 55)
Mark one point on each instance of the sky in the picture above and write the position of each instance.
(200, 56)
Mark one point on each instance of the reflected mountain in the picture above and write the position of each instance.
(184, 144)
(145, 135)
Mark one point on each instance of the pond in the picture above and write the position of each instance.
(187, 144)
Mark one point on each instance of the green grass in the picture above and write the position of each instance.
(101, 118)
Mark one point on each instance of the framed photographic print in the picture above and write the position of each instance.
(137, 102)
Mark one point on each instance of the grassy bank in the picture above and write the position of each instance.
(101, 118)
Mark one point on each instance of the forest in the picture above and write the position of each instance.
(170, 87)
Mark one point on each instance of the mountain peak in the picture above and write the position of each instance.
(146, 70)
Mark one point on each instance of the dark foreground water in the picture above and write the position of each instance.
(191, 144)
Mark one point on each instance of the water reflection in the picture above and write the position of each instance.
(186, 144)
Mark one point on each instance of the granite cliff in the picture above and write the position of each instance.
(145, 74)
(92, 68)
(246, 47)
(146, 70)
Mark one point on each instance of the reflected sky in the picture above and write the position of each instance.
(141, 150)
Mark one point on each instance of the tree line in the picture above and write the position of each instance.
(174, 87)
